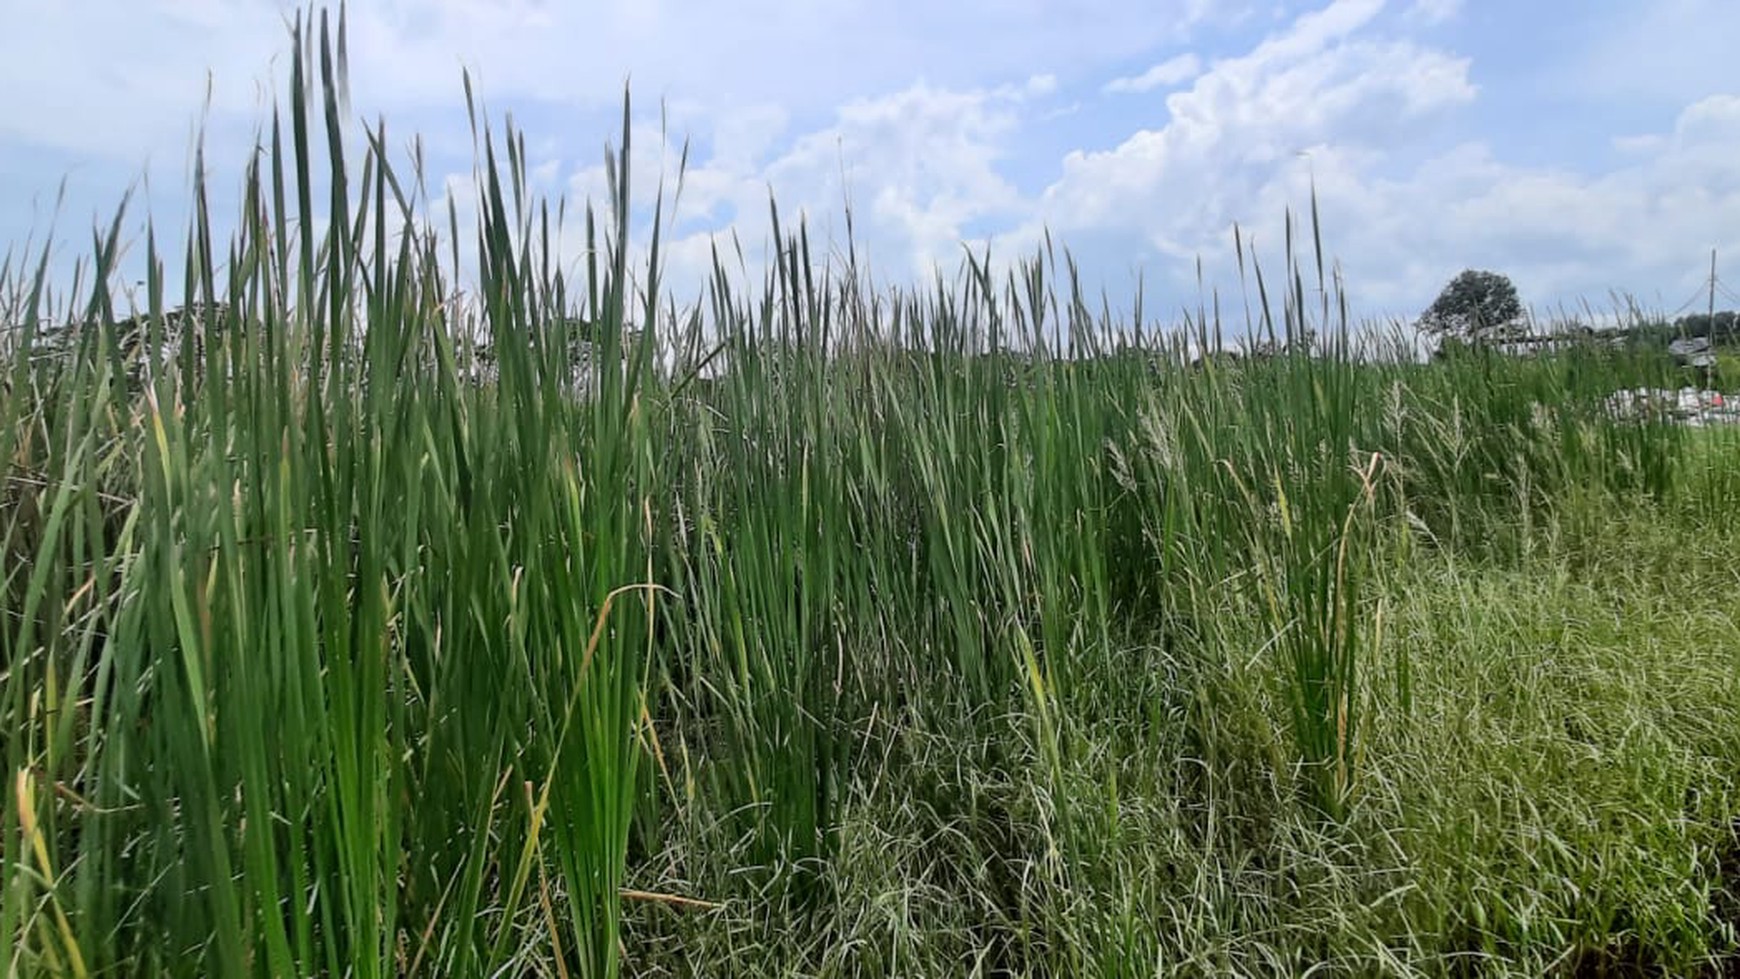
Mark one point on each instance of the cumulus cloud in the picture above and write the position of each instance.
(973, 122)
(917, 169)
(1330, 107)
(1166, 74)
(1431, 12)
(1566, 237)
(1244, 124)
(142, 65)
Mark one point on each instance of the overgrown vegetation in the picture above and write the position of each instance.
(840, 631)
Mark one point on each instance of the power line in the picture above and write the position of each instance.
(1697, 298)
(1706, 294)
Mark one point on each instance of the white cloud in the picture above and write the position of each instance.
(1331, 104)
(1664, 51)
(1433, 12)
(1166, 74)
(917, 168)
(974, 120)
(1639, 143)
(143, 63)
(1242, 125)
(1564, 236)
(130, 80)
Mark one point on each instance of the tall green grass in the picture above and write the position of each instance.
(351, 626)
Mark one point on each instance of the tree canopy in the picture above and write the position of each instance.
(1472, 306)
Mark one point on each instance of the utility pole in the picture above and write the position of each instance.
(1712, 310)
(1710, 325)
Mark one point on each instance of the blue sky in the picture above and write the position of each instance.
(1579, 148)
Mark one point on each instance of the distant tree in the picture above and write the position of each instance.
(1472, 306)
(1721, 328)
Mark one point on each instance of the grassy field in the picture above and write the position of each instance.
(844, 631)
